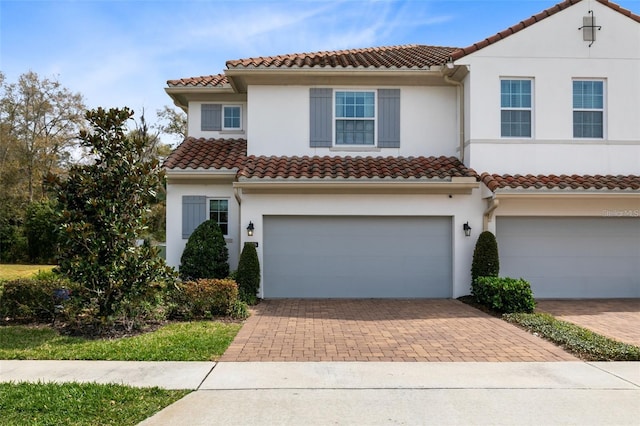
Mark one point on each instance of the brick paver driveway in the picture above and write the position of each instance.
(615, 318)
(383, 330)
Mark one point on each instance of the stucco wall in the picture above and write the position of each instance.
(552, 53)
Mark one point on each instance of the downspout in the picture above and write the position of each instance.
(488, 213)
(460, 87)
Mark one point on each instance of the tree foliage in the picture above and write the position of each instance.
(486, 261)
(103, 208)
(172, 122)
(248, 275)
(206, 254)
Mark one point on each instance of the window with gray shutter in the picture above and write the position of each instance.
(321, 116)
(194, 212)
(389, 118)
(211, 117)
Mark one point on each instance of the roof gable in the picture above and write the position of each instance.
(460, 53)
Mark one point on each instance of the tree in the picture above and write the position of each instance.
(172, 122)
(103, 210)
(486, 261)
(40, 230)
(40, 120)
(206, 254)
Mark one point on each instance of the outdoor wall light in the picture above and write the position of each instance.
(467, 229)
(250, 229)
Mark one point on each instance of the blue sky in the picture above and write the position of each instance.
(121, 52)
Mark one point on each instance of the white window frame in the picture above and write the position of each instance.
(335, 118)
(531, 108)
(225, 128)
(601, 110)
(209, 200)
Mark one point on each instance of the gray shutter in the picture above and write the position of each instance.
(194, 212)
(389, 118)
(321, 116)
(211, 117)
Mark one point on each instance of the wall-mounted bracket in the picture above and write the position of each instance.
(589, 28)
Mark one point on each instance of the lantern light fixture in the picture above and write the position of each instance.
(250, 229)
(467, 229)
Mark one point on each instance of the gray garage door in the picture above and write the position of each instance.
(357, 257)
(572, 257)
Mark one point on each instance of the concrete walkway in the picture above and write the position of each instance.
(372, 393)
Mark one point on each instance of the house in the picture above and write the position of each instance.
(362, 172)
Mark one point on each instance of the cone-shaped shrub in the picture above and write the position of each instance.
(248, 276)
(206, 254)
(486, 262)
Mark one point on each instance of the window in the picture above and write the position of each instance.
(588, 109)
(216, 117)
(219, 211)
(515, 108)
(355, 118)
(232, 117)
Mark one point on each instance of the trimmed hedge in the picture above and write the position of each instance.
(248, 275)
(206, 254)
(204, 298)
(505, 295)
(486, 261)
(40, 300)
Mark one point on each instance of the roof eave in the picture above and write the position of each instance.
(563, 193)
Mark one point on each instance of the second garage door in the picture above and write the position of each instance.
(578, 257)
(357, 257)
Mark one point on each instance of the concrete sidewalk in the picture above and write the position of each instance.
(371, 393)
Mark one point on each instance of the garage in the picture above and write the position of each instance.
(357, 257)
(574, 257)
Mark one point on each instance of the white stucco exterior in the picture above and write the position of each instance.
(552, 53)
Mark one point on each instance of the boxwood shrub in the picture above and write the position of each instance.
(37, 300)
(203, 298)
(505, 295)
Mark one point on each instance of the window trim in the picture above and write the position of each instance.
(601, 110)
(231, 129)
(531, 108)
(335, 118)
(208, 211)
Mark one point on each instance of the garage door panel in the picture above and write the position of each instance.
(357, 257)
(572, 257)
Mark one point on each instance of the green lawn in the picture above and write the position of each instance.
(80, 404)
(186, 341)
(12, 272)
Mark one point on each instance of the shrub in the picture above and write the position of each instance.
(206, 254)
(486, 262)
(239, 310)
(39, 300)
(248, 275)
(41, 232)
(504, 294)
(203, 298)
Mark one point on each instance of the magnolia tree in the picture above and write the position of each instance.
(103, 211)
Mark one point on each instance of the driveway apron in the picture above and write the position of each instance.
(383, 330)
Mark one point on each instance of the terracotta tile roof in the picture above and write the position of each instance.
(217, 80)
(208, 154)
(407, 56)
(354, 167)
(563, 182)
(532, 20)
(231, 154)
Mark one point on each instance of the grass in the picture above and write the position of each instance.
(12, 272)
(185, 341)
(581, 342)
(80, 404)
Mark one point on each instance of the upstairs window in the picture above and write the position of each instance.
(355, 118)
(588, 109)
(216, 117)
(232, 117)
(515, 108)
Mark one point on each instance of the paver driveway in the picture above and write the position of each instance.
(383, 330)
(615, 318)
